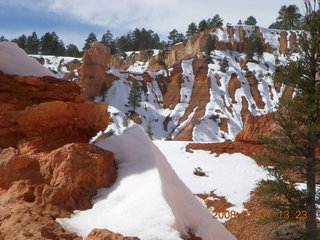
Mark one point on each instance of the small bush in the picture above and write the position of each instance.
(199, 172)
(108, 134)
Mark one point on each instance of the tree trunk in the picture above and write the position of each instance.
(311, 222)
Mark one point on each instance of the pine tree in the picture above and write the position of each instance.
(124, 43)
(210, 46)
(192, 29)
(50, 44)
(216, 21)
(107, 40)
(90, 39)
(134, 98)
(249, 48)
(21, 41)
(72, 51)
(203, 25)
(149, 129)
(239, 22)
(295, 143)
(258, 47)
(224, 65)
(32, 44)
(3, 39)
(250, 21)
(175, 37)
(289, 18)
(103, 90)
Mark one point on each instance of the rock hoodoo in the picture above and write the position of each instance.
(92, 73)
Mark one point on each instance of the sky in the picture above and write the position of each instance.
(73, 20)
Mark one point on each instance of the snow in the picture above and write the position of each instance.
(15, 61)
(56, 63)
(147, 200)
(232, 176)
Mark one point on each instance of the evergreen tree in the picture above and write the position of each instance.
(250, 21)
(239, 22)
(203, 25)
(175, 37)
(210, 46)
(21, 41)
(149, 129)
(90, 39)
(103, 90)
(258, 47)
(50, 44)
(289, 18)
(124, 43)
(107, 40)
(134, 98)
(249, 48)
(192, 29)
(3, 39)
(253, 47)
(72, 51)
(298, 138)
(224, 65)
(216, 21)
(32, 44)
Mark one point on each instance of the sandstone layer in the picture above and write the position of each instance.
(47, 168)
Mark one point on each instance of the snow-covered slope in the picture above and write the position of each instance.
(221, 104)
(14, 61)
(59, 65)
(193, 100)
(148, 199)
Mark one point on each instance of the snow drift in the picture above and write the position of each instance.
(15, 61)
(148, 199)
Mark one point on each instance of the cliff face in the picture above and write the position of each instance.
(47, 169)
(48, 108)
(233, 38)
(194, 99)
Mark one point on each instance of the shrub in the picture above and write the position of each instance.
(199, 172)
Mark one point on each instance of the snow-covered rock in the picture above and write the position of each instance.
(148, 199)
(15, 61)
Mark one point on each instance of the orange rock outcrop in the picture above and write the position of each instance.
(92, 73)
(47, 168)
(48, 108)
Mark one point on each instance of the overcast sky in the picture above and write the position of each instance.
(73, 20)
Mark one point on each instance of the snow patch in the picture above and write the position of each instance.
(15, 61)
(148, 200)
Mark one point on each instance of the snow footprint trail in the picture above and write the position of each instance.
(148, 199)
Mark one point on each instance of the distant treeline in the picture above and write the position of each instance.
(140, 39)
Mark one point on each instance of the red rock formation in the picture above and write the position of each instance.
(104, 234)
(283, 49)
(233, 85)
(48, 108)
(122, 61)
(255, 127)
(253, 83)
(92, 74)
(41, 176)
(199, 98)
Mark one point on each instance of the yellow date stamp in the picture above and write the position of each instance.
(259, 215)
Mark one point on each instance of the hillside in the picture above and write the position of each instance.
(191, 100)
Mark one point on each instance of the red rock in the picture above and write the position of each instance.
(49, 108)
(255, 127)
(104, 234)
(92, 73)
(41, 176)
